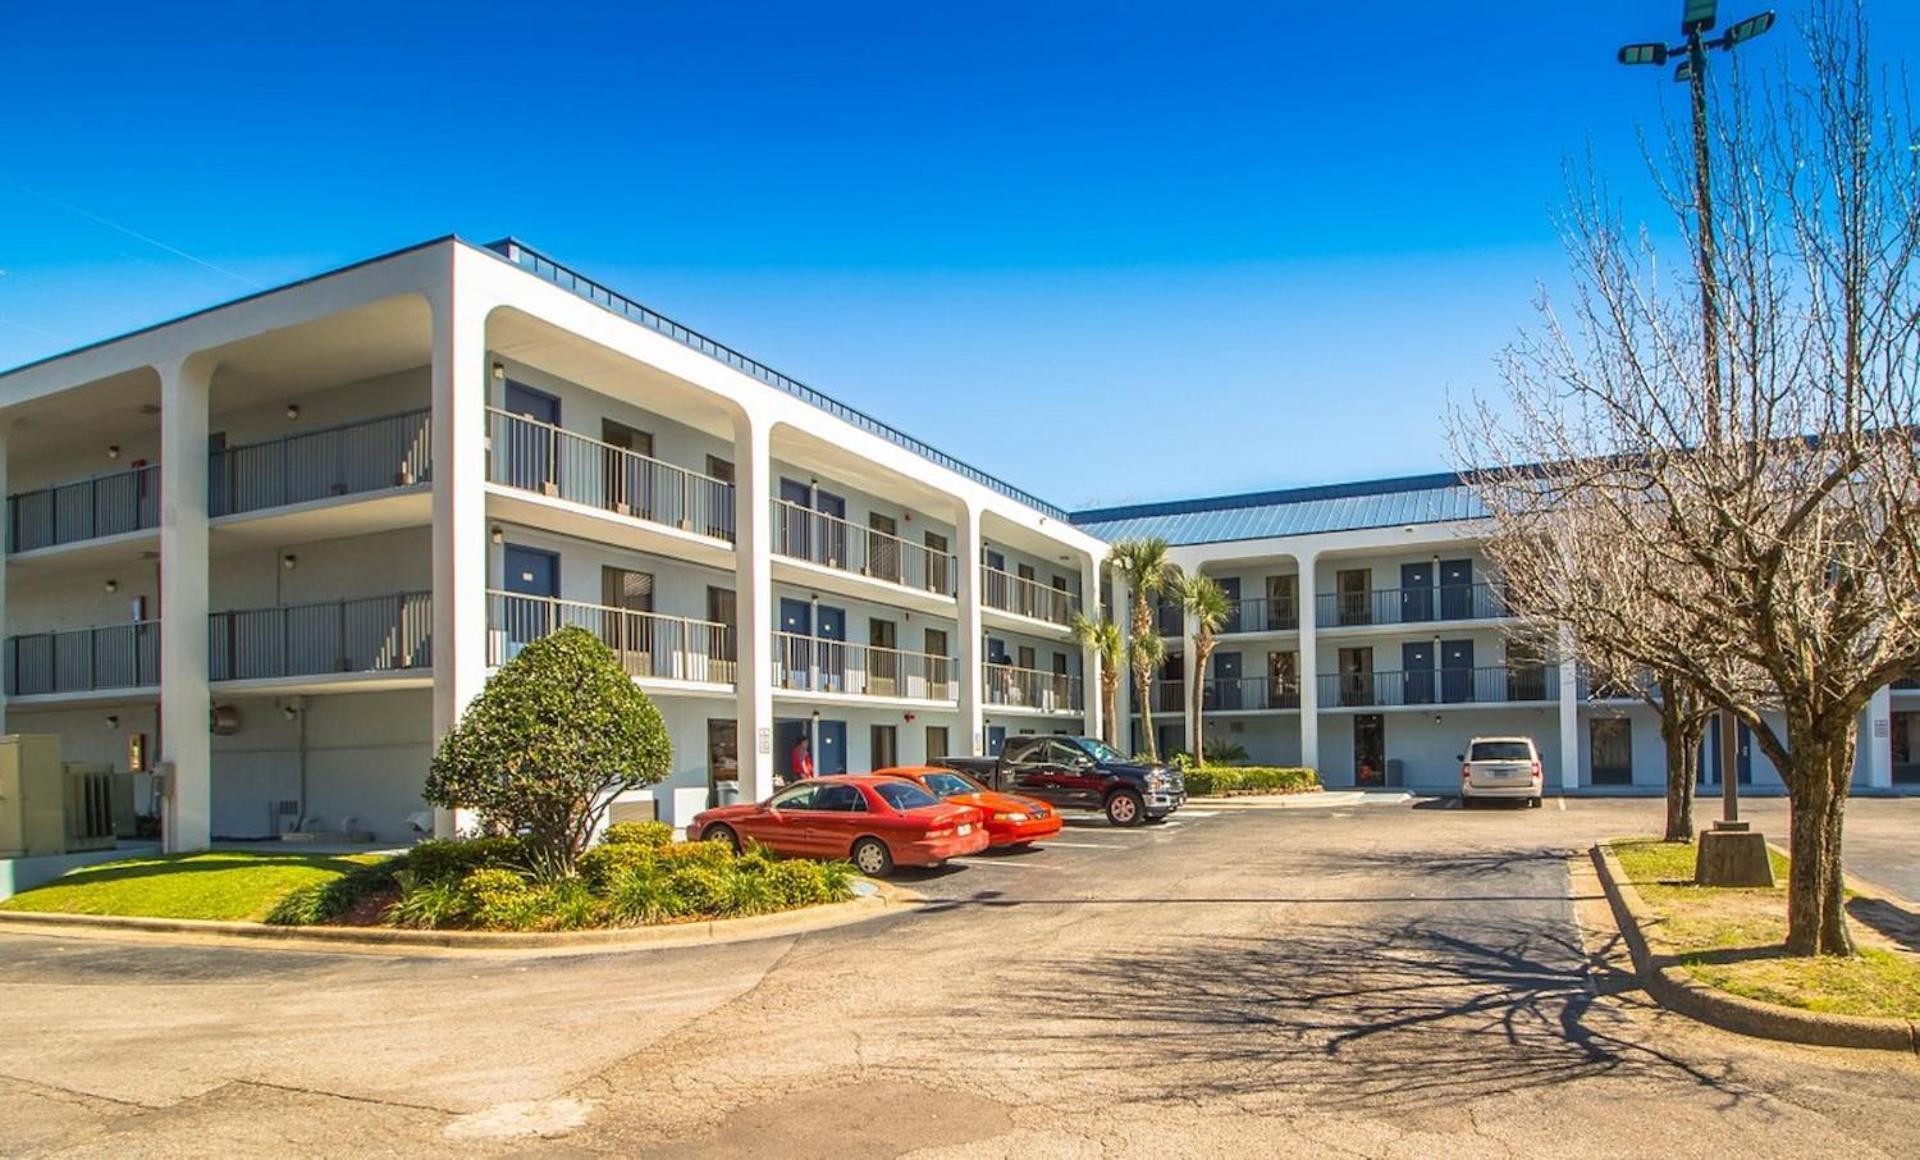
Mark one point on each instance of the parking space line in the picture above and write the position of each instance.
(1199, 813)
(1085, 845)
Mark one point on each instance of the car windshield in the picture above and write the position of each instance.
(948, 784)
(904, 795)
(1501, 751)
(1098, 749)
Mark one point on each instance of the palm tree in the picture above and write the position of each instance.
(1144, 566)
(1103, 637)
(1206, 604)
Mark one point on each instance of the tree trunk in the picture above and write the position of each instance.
(1683, 744)
(1110, 707)
(1145, 681)
(1821, 767)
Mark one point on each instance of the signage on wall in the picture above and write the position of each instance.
(1880, 727)
(136, 752)
(763, 739)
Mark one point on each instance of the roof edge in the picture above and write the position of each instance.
(1352, 490)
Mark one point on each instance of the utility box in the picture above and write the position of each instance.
(52, 807)
(1396, 771)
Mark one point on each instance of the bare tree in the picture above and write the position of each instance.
(1765, 551)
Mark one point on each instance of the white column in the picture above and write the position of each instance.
(973, 721)
(1122, 613)
(753, 604)
(1309, 662)
(185, 743)
(459, 516)
(1569, 713)
(1090, 674)
(6, 536)
(1191, 662)
(1878, 739)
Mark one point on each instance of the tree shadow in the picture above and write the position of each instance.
(1895, 922)
(1421, 1013)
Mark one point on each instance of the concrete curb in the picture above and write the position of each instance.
(394, 940)
(1672, 988)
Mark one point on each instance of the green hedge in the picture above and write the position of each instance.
(1217, 780)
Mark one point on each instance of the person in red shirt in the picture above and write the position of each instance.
(801, 760)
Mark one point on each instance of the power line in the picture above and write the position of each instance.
(132, 233)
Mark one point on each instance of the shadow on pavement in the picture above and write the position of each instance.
(1896, 922)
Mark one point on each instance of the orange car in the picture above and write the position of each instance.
(1011, 821)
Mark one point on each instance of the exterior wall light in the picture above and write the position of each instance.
(289, 561)
(113, 722)
(113, 586)
(113, 451)
(499, 372)
(293, 410)
(497, 536)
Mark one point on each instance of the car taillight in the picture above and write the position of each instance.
(1466, 772)
(946, 833)
(1536, 771)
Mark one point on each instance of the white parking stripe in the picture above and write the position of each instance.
(1084, 845)
(1004, 864)
(1199, 813)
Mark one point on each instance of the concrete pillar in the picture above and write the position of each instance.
(6, 538)
(972, 642)
(1122, 613)
(1569, 713)
(186, 745)
(753, 485)
(1877, 739)
(1191, 664)
(460, 538)
(1309, 606)
(1090, 667)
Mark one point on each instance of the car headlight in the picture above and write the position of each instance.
(1007, 817)
(1156, 781)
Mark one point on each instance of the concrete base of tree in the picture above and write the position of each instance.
(1730, 854)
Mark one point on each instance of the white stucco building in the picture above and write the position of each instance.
(273, 548)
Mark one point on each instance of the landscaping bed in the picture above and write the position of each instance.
(218, 885)
(1242, 780)
(1730, 939)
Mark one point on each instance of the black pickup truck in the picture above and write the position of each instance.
(1079, 773)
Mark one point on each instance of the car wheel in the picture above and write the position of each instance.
(1533, 803)
(872, 858)
(1466, 802)
(1125, 808)
(724, 833)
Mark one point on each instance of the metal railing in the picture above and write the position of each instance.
(1495, 685)
(1032, 689)
(1025, 597)
(648, 644)
(347, 459)
(120, 656)
(540, 457)
(86, 509)
(544, 267)
(800, 533)
(1230, 694)
(813, 664)
(364, 635)
(1168, 696)
(1411, 605)
(88, 807)
(1260, 614)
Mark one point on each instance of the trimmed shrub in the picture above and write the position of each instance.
(496, 898)
(600, 866)
(1250, 779)
(639, 897)
(328, 900)
(655, 834)
(699, 890)
(557, 733)
(428, 904)
(795, 884)
(717, 855)
(438, 860)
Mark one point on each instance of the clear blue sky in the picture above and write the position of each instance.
(1244, 246)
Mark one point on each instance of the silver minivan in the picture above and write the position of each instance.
(1500, 767)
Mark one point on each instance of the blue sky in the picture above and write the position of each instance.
(1242, 247)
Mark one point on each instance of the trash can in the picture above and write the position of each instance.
(729, 792)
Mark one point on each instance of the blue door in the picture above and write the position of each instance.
(1226, 682)
(1456, 671)
(833, 528)
(796, 646)
(1416, 672)
(831, 632)
(1743, 757)
(832, 757)
(996, 739)
(1456, 590)
(1416, 593)
(787, 734)
(530, 449)
(533, 578)
(1231, 586)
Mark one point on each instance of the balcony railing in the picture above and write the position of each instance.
(1501, 685)
(1411, 605)
(365, 635)
(1024, 597)
(539, 457)
(1032, 689)
(1168, 696)
(367, 455)
(106, 505)
(648, 644)
(1259, 614)
(801, 533)
(1229, 694)
(120, 656)
(812, 664)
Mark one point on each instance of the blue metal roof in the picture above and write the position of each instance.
(1343, 507)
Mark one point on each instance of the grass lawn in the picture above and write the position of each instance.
(1731, 939)
(224, 885)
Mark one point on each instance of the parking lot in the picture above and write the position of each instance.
(1385, 979)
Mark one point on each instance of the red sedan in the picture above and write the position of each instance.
(875, 822)
(1011, 821)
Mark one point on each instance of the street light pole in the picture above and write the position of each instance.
(1696, 20)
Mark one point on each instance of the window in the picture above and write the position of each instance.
(937, 744)
(1019, 751)
(902, 795)
(800, 797)
(840, 799)
(886, 746)
(1283, 680)
(720, 469)
(1501, 751)
(1610, 745)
